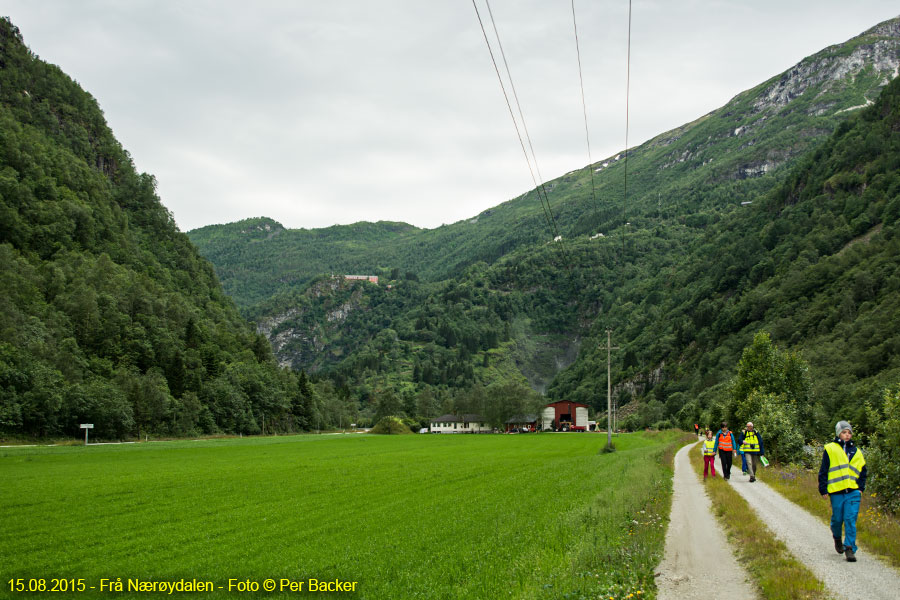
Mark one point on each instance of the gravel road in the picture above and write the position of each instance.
(809, 540)
(698, 560)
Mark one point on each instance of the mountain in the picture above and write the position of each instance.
(259, 257)
(108, 314)
(722, 235)
(684, 178)
(776, 213)
(815, 263)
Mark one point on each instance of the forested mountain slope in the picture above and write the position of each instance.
(682, 180)
(108, 315)
(815, 263)
(260, 258)
(683, 286)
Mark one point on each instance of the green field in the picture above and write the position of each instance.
(522, 516)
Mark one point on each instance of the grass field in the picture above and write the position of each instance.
(525, 516)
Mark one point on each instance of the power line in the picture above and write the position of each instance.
(584, 108)
(538, 182)
(512, 86)
(547, 214)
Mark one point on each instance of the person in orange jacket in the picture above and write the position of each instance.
(727, 447)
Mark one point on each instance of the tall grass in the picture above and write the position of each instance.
(539, 516)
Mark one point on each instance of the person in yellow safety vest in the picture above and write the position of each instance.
(709, 454)
(752, 449)
(842, 479)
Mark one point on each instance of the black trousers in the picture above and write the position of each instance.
(725, 456)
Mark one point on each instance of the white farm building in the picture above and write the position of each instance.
(460, 424)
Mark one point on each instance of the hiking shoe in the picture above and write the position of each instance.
(848, 552)
(752, 479)
(838, 545)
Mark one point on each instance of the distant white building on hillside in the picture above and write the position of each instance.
(370, 278)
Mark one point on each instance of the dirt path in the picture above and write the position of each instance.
(698, 559)
(809, 540)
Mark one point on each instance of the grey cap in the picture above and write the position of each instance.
(842, 425)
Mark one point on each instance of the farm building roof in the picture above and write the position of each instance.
(470, 418)
(446, 419)
(566, 402)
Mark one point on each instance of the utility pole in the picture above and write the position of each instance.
(609, 348)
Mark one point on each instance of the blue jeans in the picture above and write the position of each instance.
(844, 509)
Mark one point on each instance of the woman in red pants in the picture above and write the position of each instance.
(709, 454)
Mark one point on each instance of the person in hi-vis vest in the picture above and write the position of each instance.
(727, 447)
(709, 454)
(751, 449)
(842, 479)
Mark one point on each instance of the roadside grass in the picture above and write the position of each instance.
(541, 516)
(878, 531)
(778, 575)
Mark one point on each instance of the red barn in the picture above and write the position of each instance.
(567, 416)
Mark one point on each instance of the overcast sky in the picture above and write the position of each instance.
(318, 112)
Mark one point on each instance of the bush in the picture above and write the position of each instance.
(765, 372)
(777, 425)
(632, 423)
(391, 426)
(883, 453)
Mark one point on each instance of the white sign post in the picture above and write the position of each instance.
(86, 426)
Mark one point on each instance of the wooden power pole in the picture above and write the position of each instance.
(609, 349)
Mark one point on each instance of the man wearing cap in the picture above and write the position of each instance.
(842, 479)
(752, 449)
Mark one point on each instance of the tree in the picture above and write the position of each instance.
(776, 421)
(765, 368)
(303, 403)
(772, 389)
(883, 453)
(149, 398)
(387, 405)
(505, 400)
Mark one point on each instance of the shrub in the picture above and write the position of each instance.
(777, 424)
(883, 453)
(391, 426)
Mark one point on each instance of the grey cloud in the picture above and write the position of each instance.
(315, 113)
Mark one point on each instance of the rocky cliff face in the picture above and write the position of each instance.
(833, 67)
(761, 129)
(299, 335)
